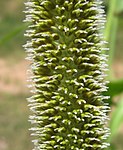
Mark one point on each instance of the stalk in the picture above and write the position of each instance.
(111, 32)
(65, 47)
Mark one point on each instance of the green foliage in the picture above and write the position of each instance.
(115, 86)
(117, 119)
(12, 34)
(113, 17)
(68, 68)
(11, 29)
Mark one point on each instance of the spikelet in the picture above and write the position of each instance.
(68, 64)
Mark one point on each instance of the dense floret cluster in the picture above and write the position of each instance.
(66, 50)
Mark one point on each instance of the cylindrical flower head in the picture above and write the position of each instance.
(68, 64)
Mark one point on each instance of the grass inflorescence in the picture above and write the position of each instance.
(68, 64)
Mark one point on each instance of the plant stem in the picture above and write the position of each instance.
(110, 32)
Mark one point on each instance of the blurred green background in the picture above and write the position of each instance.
(14, 125)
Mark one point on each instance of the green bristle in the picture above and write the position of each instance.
(66, 50)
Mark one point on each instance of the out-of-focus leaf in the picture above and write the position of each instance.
(120, 5)
(112, 147)
(115, 88)
(12, 34)
(117, 119)
(113, 16)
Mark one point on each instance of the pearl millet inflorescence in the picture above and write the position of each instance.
(68, 64)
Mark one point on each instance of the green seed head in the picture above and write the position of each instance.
(66, 50)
